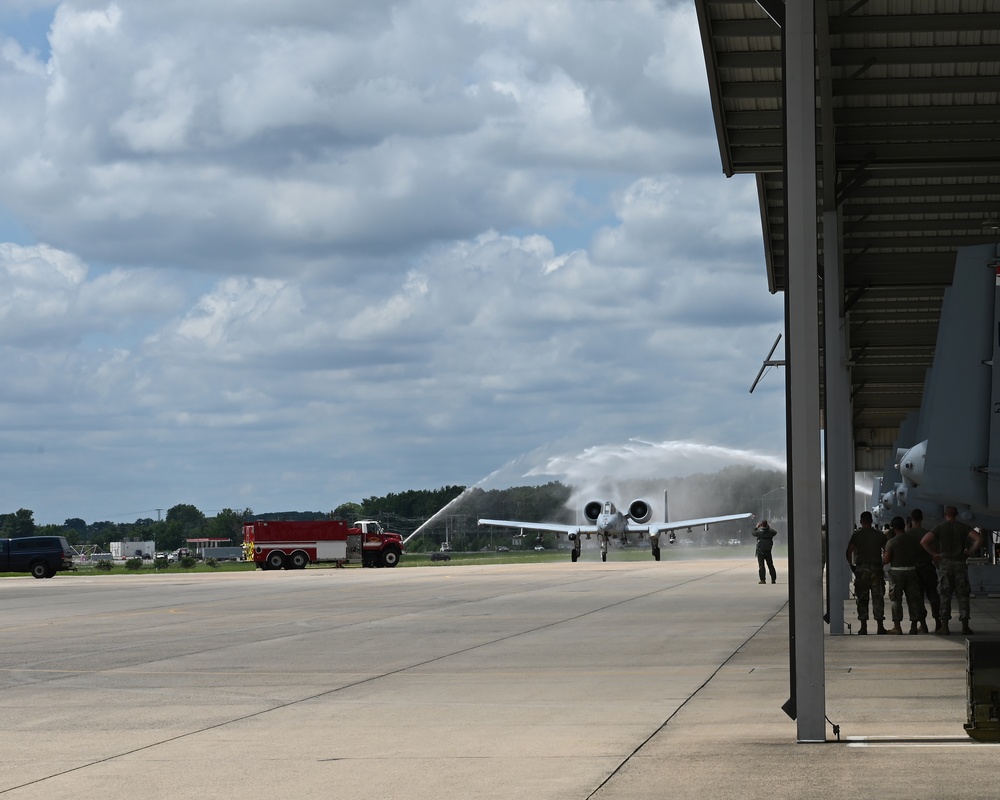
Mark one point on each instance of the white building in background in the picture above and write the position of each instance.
(132, 549)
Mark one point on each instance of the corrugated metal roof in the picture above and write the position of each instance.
(908, 100)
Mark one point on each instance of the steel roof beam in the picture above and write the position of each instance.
(978, 208)
(924, 114)
(939, 54)
(985, 154)
(870, 24)
(957, 84)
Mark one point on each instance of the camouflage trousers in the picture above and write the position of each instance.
(953, 579)
(929, 583)
(906, 582)
(869, 581)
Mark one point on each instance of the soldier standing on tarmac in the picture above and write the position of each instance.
(901, 553)
(764, 534)
(926, 574)
(947, 544)
(864, 554)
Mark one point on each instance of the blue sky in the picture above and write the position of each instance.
(283, 256)
(28, 24)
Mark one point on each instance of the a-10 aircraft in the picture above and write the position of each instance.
(607, 521)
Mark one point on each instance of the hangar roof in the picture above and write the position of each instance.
(908, 147)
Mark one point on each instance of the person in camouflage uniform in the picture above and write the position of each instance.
(926, 573)
(864, 554)
(901, 554)
(949, 546)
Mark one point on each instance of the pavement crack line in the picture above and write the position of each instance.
(404, 669)
(390, 613)
(687, 700)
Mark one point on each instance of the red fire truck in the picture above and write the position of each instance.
(294, 545)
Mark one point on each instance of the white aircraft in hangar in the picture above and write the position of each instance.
(607, 521)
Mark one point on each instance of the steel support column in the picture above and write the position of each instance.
(839, 437)
(837, 425)
(808, 703)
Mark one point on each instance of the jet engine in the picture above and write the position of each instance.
(593, 510)
(640, 511)
(910, 463)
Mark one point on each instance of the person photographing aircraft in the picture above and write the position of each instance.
(764, 534)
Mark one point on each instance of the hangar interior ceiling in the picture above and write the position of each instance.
(908, 147)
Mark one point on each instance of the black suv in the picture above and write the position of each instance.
(42, 556)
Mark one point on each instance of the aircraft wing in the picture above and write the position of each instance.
(659, 527)
(540, 526)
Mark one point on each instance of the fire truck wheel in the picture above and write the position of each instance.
(276, 560)
(298, 560)
(390, 557)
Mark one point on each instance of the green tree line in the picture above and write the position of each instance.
(450, 512)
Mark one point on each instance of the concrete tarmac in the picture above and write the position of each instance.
(589, 680)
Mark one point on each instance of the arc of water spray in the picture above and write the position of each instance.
(627, 461)
(456, 500)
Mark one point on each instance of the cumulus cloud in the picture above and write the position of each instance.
(48, 294)
(336, 134)
(290, 254)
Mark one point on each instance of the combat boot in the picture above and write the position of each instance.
(937, 626)
(942, 629)
(966, 630)
(863, 628)
(895, 630)
(922, 626)
(881, 628)
(914, 628)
